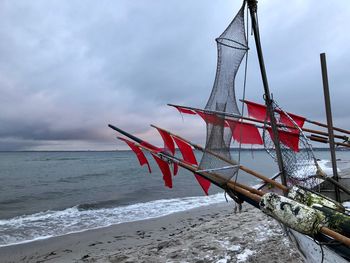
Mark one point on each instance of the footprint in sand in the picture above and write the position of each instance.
(94, 244)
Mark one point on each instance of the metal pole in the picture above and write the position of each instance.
(252, 4)
(329, 121)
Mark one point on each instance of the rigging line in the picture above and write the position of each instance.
(244, 90)
(321, 248)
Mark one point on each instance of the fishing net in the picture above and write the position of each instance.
(298, 158)
(231, 46)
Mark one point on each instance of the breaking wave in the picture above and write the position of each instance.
(47, 224)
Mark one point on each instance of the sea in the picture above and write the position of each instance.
(47, 194)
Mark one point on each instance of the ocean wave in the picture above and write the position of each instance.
(46, 224)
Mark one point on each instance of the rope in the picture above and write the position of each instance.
(244, 91)
(321, 247)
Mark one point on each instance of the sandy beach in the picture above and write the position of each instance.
(206, 234)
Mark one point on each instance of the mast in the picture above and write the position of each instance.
(329, 121)
(252, 5)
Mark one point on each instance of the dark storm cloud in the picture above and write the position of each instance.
(68, 68)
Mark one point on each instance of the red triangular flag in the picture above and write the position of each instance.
(168, 141)
(245, 133)
(212, 118)
(288, 138)
(139, 154)
(186, 151)
(184, 110)
(299, 120)
(257, 111)
(164, 168)
(175, 168)
(188, 156)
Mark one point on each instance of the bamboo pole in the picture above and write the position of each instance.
(325, 140)
(339, 237)
(325, 126)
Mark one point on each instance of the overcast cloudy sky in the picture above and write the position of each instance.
(68, 68)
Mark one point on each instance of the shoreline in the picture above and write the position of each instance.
(212, 233)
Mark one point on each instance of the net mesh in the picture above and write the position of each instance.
(300, 165)
(231, 47)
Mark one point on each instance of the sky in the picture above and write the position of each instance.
(68, 68)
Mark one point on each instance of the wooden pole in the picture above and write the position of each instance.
(325, 126)
(252, 5)
(343, 239)
(325, 140)
(329, 121)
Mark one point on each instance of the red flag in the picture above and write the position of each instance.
(245, 133)
(164, 168)
(204, 183)
(257, 111)
(299, 120)
(184, 110)
(139, 154)
(212, 118)
(168, 141)
(175, 168)
(288, 138)
(186, 151)
(188, 156)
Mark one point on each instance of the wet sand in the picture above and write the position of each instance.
(206, 234)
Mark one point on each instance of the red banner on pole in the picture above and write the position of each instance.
(184, 110)
(188, 156)
(258, 111)
(168, 141)
(245, 133)
(290, 139)
(212, 118)
(139, 154)
(165, 169)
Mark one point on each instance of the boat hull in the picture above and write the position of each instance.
(313, 252)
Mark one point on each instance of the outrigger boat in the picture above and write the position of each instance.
(319, 225)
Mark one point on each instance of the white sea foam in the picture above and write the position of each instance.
(226, 259)
(41, 225)
(324, 165)
(242, 257)
(347, 207)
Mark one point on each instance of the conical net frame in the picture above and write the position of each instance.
(231, 47)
